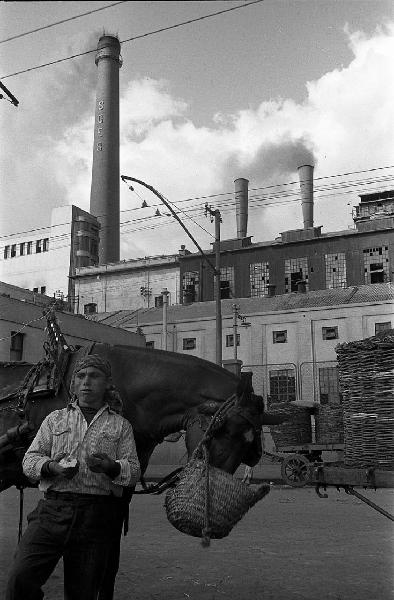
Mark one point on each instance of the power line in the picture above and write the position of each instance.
(15, 37)
(228, 198)
(137, 37)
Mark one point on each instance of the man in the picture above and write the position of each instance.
(83, 456)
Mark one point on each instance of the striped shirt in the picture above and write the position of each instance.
(66, 431)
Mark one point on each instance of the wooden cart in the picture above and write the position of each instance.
(295, 466)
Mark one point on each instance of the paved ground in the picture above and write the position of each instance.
(291, 546)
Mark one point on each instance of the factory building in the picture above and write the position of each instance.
(44, 260)
(288, 341)
(129, 284)
(303, 257)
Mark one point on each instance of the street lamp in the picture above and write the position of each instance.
(216, 269)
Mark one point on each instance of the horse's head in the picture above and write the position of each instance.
(235, 436)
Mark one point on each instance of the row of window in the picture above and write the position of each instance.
(278, 337)
(25, 248)
(376, 270)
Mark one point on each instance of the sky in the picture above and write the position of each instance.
(254, 92)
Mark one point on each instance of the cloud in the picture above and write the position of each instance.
(343, 124)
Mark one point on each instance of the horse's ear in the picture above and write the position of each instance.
(209, 407)
(245, 388)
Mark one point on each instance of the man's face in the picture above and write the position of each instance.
(90, 385)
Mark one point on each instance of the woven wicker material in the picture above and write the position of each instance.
(329, 424)
(366, 378)
(298, 430)
(229, 500)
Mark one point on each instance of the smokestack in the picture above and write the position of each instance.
(241, 206)
(104, 194)
(305, 174)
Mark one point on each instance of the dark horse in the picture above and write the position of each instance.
(162, 393)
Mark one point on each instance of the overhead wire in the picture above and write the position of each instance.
(90, 12)
(136, 37)
(225, 204)
(230, 195)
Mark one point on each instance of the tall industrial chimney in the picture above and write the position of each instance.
(241, 206)
(305, 174)
(104, 194)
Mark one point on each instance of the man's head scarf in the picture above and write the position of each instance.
(94, 360)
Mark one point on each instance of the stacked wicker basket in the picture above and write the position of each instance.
(366, 376)
(297, 430)
(329, 424)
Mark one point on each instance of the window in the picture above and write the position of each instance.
(279, 337)
(259, 279)
(189, 343)
(13, 250)
(230, 340)
(282, 385)
(38, 246)
(190, 286)
(227, 282)
(16, 346)
(6, 251)
(22, 249)
(45, 245)
(89, 308)
(150, 344)
(296, 269)
(376, 264)
(329, 333)
(29, 247)
(43, 289)
(380, 327)
(329, 385)
(335, 270)
(158, 301)
(35, 290)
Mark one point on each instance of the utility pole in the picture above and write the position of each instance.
(165, 294)
(215, 215)
(244, 323)
(235, 329)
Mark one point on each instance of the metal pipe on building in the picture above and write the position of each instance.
(165, 293)
(104, 195)
(241, 206)
(305, 174)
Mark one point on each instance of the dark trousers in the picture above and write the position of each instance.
(85, 531)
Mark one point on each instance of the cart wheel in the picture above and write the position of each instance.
(294, 470)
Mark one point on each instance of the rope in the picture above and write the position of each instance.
(216, 421)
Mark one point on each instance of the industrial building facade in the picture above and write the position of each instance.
(45, 261)
(287, 341)
(307, 257)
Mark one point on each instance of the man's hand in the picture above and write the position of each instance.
(99, 462)
(62, 467)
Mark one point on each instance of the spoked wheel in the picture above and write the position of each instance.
(294, 470)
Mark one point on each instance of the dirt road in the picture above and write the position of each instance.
(291, 546)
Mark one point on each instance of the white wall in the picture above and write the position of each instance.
(305, 350)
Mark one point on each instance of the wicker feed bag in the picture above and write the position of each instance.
(228, 501)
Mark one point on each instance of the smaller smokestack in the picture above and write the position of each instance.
(241, 206)
(271, 290)
(305, 174)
